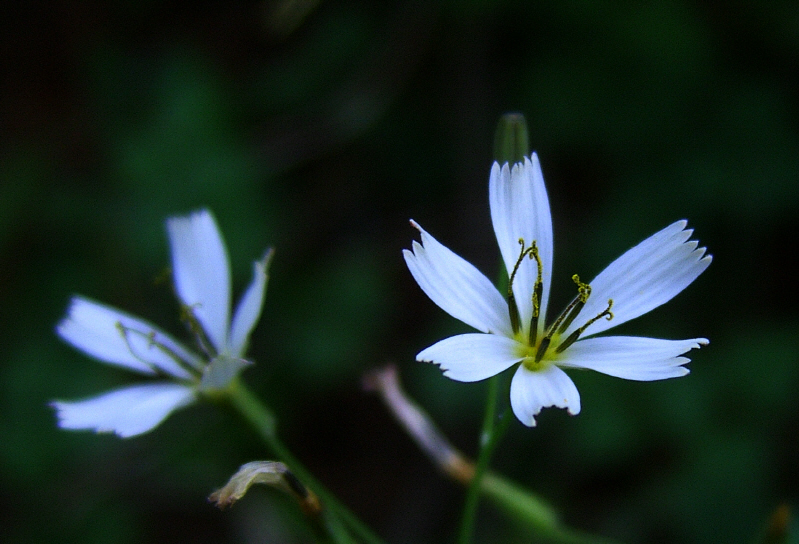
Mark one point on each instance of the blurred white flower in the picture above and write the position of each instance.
(201, 275)
(513, 327)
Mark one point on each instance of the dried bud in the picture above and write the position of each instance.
(273, 473)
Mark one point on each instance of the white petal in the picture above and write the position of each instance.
(249, 309)
(472, 357)
(457, 286)
(632, 357)
(531, 391)
(114, 337)
(126, 412)
(201, 272)
(520, 210)
(645, 277)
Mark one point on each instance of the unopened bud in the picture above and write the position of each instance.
(511, 140)
(272, 473)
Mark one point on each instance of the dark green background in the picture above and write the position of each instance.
(321, 130)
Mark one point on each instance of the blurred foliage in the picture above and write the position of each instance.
(321, 128)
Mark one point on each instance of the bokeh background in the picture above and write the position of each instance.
(320, 128)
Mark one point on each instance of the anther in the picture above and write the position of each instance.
(583, 292)
(576, 334)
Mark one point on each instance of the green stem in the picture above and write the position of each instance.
(489, 436)
(527, 508)
(257, 415)
(518, 502)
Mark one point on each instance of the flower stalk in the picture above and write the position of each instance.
(518, 503)
(489, 438)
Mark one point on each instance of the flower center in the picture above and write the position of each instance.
(536, 352)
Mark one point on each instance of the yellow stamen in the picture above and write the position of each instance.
(538, 290)
(571, 311)
(576, 334)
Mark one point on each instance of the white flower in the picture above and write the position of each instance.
(202, 280)
(513, 328)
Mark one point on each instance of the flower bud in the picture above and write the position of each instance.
(272, 473)
(511, 140)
